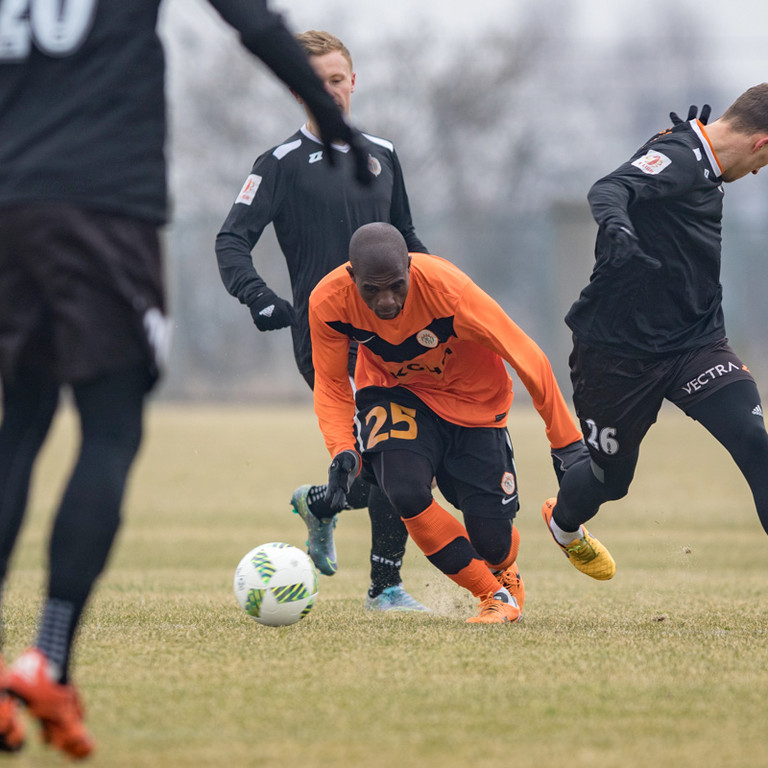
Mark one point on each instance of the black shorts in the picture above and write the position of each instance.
(81, 293)
(474, 466)
(617, 399)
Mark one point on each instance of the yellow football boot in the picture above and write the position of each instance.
(586, 553)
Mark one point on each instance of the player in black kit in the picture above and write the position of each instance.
(314, 210)
(82, 194)
(649, 326)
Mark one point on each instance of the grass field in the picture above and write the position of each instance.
(666, 665)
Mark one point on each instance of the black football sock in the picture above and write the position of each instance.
(388, 538)
(110, 410)
(56, 633)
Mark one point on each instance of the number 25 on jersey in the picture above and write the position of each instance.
(398, 423)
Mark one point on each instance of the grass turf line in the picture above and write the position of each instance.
(665, 665)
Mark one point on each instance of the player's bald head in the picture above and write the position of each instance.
(376, 248)
(380, 265)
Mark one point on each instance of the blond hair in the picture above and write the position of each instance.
(316, 42)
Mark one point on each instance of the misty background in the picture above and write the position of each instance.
(502, 113)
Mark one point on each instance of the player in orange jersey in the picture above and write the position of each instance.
(432, 398)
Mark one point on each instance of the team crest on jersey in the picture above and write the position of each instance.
(427, 339)
(374, 166)
(652, 162)
(248, 192)
(508, 484)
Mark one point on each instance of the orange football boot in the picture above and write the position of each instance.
(55, 705)
(12, 729)
(497, 608)
(511, 580)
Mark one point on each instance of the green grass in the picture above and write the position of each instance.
(666, 665)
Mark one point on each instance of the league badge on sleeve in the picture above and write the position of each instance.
(652, 162)
(248, 192)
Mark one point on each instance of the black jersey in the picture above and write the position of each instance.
(314, 209)
(670, 193)
(82, 110)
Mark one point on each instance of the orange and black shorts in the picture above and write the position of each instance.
(474, 466)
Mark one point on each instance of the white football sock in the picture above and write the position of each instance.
(565, 537)
(505, 596)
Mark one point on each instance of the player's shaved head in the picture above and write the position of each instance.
(377, 246)
(380, 265)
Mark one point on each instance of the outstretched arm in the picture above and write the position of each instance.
(264, 33)
(484, 321)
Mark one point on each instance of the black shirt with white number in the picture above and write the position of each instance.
(670, 194)
(314, 209)
(82, 110)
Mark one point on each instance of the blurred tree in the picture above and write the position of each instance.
(500, 136)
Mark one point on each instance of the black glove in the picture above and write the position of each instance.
(270, 312)
(564, 458)
(360, 156)
(692, 110)
(334, 128)
(623, 245)
(341, 474)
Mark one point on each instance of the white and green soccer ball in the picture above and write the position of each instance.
(276, 584)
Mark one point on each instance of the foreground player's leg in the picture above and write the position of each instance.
(444, 541)
(488, 536)
(734, 416)
(407, 480)
(29, 403)
(110, 411)
(584, 488)
(582, 549)
(388, 538)
(497, 541)
(308, 502)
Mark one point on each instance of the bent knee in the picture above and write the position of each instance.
(616, 481)
(409, 499)
(751, 448)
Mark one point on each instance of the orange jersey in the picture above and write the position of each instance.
(447, 346)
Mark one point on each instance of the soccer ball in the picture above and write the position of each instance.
(276, 584)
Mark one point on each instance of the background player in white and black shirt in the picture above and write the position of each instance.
(314, 210)
(649, 325)
(82, 194)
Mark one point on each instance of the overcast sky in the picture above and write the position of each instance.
(737, 31)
